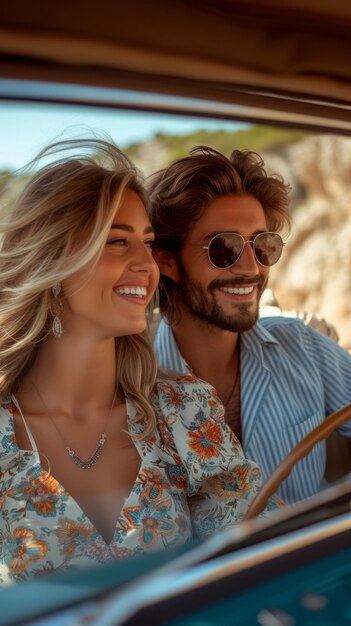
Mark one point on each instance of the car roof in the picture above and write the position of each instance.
(285, 61)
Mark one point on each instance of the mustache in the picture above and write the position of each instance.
(235, 282)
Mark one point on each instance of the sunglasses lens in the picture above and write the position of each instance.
(224, 250)
(268, 248)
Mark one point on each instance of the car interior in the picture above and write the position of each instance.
(274, 63)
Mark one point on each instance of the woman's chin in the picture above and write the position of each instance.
(133, 329)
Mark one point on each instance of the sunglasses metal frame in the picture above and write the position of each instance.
(245, 241)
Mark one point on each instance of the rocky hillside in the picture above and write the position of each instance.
(162, 149)
(314, 274)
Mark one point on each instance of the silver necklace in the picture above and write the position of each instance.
(82, 463)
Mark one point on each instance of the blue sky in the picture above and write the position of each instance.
(26, 128)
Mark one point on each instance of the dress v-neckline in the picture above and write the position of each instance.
(38, 468)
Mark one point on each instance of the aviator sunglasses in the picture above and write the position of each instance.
(225, 249)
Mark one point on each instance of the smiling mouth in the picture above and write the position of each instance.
(135, 292)
(239, 291)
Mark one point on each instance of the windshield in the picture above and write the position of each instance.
(311, 283)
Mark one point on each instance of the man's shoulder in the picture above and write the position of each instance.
(279, 323)
(275, 330)
(284, 326)
(291, 333)
(287, 331)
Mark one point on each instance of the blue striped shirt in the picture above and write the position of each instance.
(291, 377)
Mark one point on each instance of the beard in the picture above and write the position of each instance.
(202, 304)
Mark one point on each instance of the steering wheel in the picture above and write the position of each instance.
(299, 452)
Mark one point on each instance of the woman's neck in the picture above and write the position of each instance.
(73, 376)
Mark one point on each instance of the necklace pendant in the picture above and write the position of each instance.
(89, 463)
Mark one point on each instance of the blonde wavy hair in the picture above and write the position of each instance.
(58, 225)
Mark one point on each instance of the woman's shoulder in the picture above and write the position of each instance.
(6, 426)
(186, 395)
(5, 408)
(187, 382)
(186, 386)
(190, 421)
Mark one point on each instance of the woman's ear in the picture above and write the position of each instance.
(167, 263)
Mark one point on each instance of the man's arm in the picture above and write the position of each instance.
(334, 365)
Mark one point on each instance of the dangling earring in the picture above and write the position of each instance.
(55, 310)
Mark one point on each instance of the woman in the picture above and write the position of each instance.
(97, 459)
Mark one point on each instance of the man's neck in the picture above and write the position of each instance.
(211, 353)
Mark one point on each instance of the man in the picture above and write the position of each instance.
(216, 222)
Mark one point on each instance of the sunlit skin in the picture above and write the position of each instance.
(75, 374)
(207, 333)
(203, 284)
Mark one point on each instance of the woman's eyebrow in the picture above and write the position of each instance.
(130, 229)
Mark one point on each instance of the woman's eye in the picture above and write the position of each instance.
(123, 243)
(117, 242)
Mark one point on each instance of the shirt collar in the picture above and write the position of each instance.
(167, 350)
(258, 333)
(253, 340)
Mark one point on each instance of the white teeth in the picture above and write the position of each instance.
(241, 291)
(140, 292)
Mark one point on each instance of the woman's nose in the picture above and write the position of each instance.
(142, 260)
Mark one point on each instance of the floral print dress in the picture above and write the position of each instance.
(193, 481)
